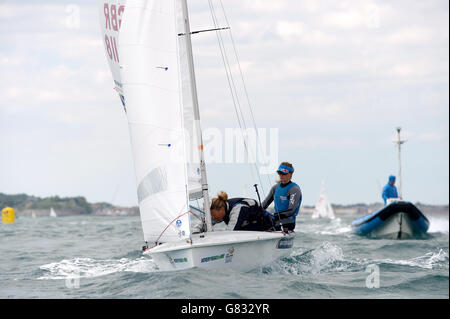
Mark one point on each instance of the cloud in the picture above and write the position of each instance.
(320, 143)
(436, 136)
(288, 30)
(337, 69)
(345, 19)
(265, 6)
(411, 35)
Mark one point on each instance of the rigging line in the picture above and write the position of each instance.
(227, 66)
(243, 83)
(233, 89)
(196, 209)
(233, 93)
(258, 139)
(195, 215)
(160, 235)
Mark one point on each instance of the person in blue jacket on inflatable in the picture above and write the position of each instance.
(287, 197)
(389, 191)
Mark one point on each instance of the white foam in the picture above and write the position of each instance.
(316, 260)
(334, 227)
(428, 261)
(326, 254)
(88, 267)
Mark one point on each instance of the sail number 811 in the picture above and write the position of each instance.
(247, 308)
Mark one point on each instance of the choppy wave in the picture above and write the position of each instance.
(328, 257)
(335, 227)
(88, 267)
(430, 260)
(328, 261)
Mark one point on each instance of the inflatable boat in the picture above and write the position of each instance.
(398, 220)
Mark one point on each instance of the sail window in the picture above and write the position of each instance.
(154, 182)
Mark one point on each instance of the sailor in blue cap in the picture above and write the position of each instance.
(287, 198)
(389, 191)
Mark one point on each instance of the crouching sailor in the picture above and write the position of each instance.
(287, 197)
(237, 214)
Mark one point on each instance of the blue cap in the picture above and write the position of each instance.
(285, 169)
(392, 178)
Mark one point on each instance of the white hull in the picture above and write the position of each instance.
(398, 226)
(240, 250)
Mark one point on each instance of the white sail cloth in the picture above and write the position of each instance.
(190, 123)
(150, 71)
(323, 207)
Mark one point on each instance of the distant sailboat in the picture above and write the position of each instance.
(53, 213)
(323, 207)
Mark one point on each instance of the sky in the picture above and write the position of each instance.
(330, 79)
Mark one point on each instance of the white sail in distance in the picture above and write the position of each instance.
(323, 207)
(52, 213)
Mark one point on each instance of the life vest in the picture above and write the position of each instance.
(252, 218)
(281, 200)
(230, 203)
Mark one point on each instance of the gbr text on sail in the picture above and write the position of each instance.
(112, 22)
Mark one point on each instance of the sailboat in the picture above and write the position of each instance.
(323, 207)
(399, 219)
(148, 47)
(52, 213)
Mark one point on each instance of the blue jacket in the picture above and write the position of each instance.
(389, 191)
(287, 198)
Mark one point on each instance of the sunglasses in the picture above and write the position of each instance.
(282, 173)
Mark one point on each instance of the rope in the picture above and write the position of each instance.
(200, 211)
(233, 90)
(244, 86)
(160, 235)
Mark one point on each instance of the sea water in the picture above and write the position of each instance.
(100, 257)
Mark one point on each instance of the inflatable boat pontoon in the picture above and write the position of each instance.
(398, 220)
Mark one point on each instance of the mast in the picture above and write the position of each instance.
(206, 202)
(399, 144)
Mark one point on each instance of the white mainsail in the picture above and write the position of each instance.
(149, 71)
(323, 207)
(52, 213)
